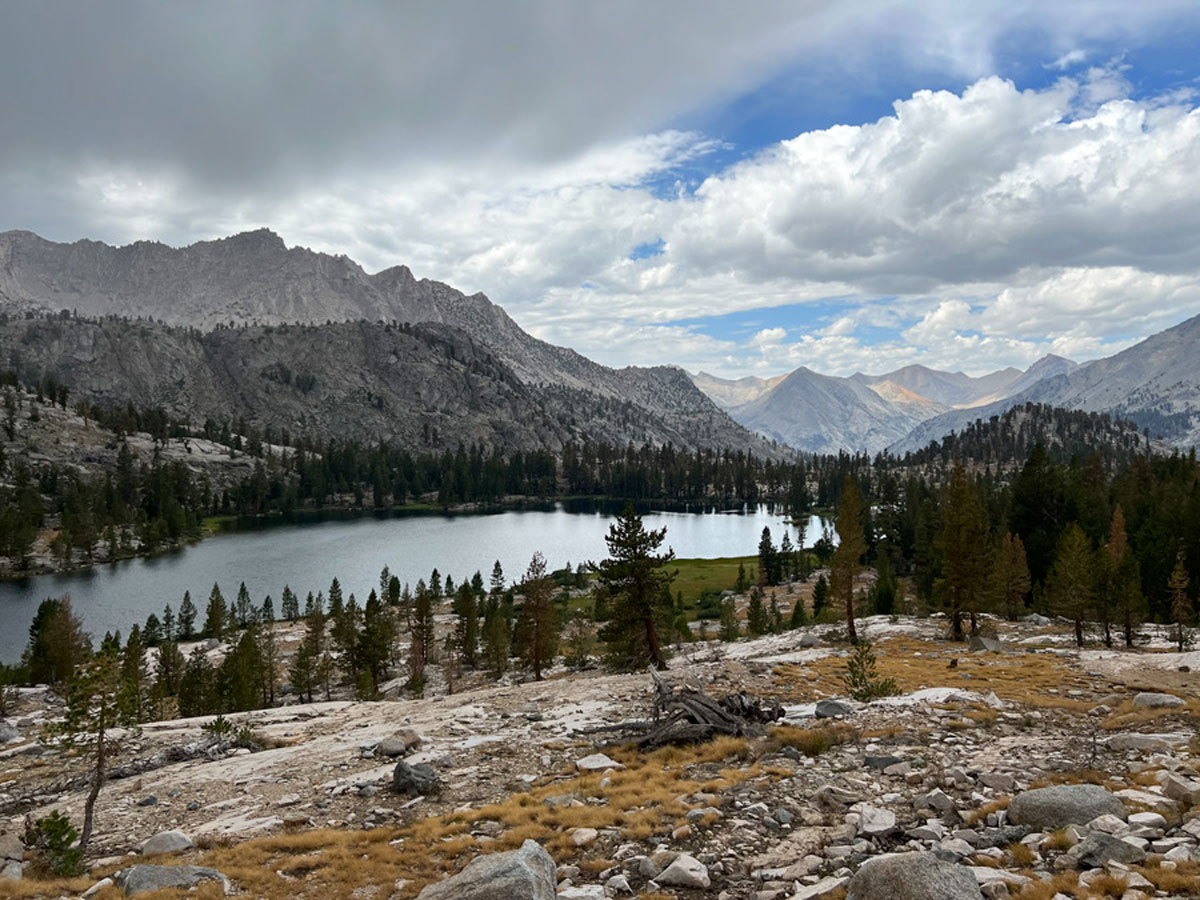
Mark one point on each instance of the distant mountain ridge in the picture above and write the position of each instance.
(255, 279)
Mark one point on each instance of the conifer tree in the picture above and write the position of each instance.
(168, 669)
(152, 632)
(739, 586)
(422, 623)
(729, 622)
(305, 673)
(466, 625)
(169, 626)
(216, 614)
(435, 584)
(244, 606)
(197, 685)
(1010, 577)
(135, 678)
(768, 560)
(378, 636)
(1180, 602)
(335, 603)
(497, 639)
(1069, 587)
(757, 620)
(187, 617)
(799, 614)
(820, 596)
(787, 559)
(497, 578)
(632, 578)
(964, 544)
(289, 604)
(847, 559)
(57, 643)
(345, 632)
(540, 624)
(477, 583)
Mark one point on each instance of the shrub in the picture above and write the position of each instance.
(53, 839)
(862, 681)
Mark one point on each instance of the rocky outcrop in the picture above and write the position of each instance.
(12, 851)
(912, 876)
(524, 874)
(1064, 804)
(167, 842)
(142, 879)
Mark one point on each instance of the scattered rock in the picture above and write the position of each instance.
(398, 744)
(524, 874)
(1054, 807)
(686, 871)
(581, 837)
(12, 851)
(821, 889)
(419, 780)
(912, 876)
(983, 642)
(141, 879)
(8, 732)
(876, 821)
(1098, 849)
(167, 842)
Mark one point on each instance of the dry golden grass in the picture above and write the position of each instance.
(1058, 840)
(641, 801)
(1126, 715)
(1063, 883)
(981, 813)
(1184, 878)
(1020, 855)
(1022, 677)
(812, 741)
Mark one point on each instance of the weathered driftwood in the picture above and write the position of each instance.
(685, 714)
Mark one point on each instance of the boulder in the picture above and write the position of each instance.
(1151, 742)
(419, 780)
(1151, 700)
(524, 874)
(912, 876)
(875, 821)
(686, 871)
(809, 640)
(829, 709)
(597, 762)
(167, 842)
(1098, 849)
(1186, 791)
(399, 743)
(142, 879)
(983, 642)
(8, 732)
(12, 851)
(1054, 807)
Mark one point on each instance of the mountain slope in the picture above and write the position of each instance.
(1155, 383)
(824, 414)
(254, 278)
(728, 393)
(950, 389)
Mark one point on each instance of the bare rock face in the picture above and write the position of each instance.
(524, 874)
(912, 876)
(321, 345)
(167, 842)
(1054, 807)
(12, 851)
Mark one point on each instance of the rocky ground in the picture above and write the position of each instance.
(376, 800)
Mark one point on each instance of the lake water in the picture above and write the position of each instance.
(307, 556)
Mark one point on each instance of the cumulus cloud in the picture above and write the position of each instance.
(527, 149)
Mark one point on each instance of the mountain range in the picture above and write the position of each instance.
(1155, 384)
(151, 324)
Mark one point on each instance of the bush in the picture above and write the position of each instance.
(53, 839)
(862, 680)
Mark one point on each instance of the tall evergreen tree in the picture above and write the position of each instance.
(378, 636)
(965, 563)
(422, 623)
(1070, 587)
(541, 619)
(244, 607)
(57, 643)
(289, 604)
(729, 621)
(135, 678)
(497, 639)
(1010, 577)
(820, 596)
(497, 578)
(1181, 603)
(757, 620)
(768, 560)
(216, 614)
(632, 578)
(187, 617)
(466, 625)
(847, 558)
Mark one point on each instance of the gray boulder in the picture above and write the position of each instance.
(8, 732)
(1151, 700)
(144, 878)
(685, 871)
(12, 851)
(1098, 849)
(912, 876)
(1054, 807)
(399, 743)
(829, 709)
(167, 842)
(524, 874)
(418, 780)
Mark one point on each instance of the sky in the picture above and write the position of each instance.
(729, 187)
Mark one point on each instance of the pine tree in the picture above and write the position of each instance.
(964, 544)
(187, 617)
(197, 685)
(378, 636)
(757, 622)
(216, 615)
(497, 639)
(1180, 602)
(787, 559)
(477, 583)
(169, 627)
(335, 603)
(1069, 587)
(135, 678)
(466, 625)
(497, 579)
(168, 670)
(768, 560)
(422, 623)
(305, 673)
(152, 632)
(540, 618)
(1010, 577)
(244, 606)
(739, 586)
(240, 679)
(57, 643)
(345, 633)
(799, 614)
(93, 708)
(820, 596)
(435, 584)
(632, 578)
(289, 604)
(729, 622)
(847, 559)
